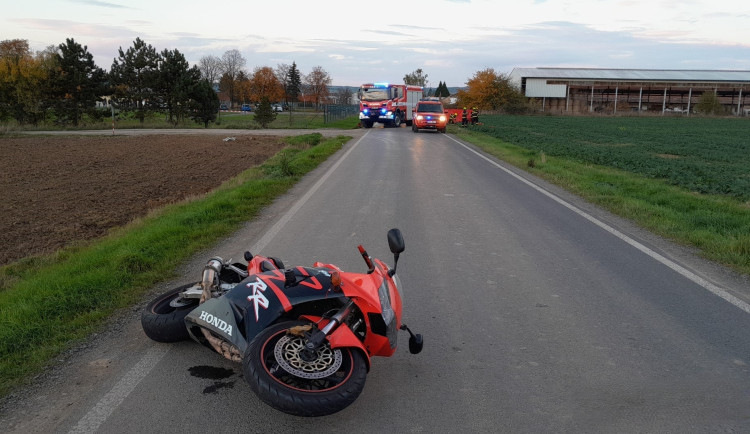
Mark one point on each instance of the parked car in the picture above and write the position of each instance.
(247, 108)
(223, 107)
(277, 108)
(429, 115)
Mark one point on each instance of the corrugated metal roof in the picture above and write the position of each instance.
(631, 74)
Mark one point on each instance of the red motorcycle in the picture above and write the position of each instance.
(304, 335)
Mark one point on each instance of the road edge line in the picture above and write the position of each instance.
(714, 289)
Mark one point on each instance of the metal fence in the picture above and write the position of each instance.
(333, 113)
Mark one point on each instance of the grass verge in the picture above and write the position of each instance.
(226, 120)
(294, 120)
(49, 303)
(717, 225)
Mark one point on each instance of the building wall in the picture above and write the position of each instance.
(650, 97)
(616, 90)
(539, 88)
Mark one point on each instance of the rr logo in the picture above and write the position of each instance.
(257, 297)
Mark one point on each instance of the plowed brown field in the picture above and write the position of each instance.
(57, 190)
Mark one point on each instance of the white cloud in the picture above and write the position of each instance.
(450, 40)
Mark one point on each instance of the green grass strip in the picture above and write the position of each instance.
(717, 225)
(226, 120)
(48, 303)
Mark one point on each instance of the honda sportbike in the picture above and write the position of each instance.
(304, 335)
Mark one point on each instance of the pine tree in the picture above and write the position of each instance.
(175, 82)
(442, 90)
(294, 85)
(265, 114)
(204, 102)
(134, 74)
(79, 83)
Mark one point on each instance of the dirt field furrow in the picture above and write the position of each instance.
(60, 189)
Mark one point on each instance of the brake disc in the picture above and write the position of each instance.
(287, 353)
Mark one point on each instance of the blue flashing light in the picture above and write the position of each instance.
(381, 84)
(383, 110)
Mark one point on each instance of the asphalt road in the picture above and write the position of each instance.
(541, 313)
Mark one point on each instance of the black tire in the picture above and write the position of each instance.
(397, 120)
(163, 320)
(337, 387)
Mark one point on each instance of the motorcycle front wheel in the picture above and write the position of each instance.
(288, 381)
(163, 320)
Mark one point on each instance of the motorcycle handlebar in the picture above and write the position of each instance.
(366, 257)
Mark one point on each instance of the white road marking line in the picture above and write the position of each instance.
(104, 408)
(714, 289)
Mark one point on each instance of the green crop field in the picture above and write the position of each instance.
(687, 179)
(703, 155)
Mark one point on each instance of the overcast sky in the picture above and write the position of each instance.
(364, 41)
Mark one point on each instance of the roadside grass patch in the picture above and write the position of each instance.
(47, 303)
(297, 119)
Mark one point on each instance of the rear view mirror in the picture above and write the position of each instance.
(396, 241)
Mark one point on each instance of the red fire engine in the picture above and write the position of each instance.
(389, 104)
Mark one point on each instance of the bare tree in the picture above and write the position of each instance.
(282, 72)
(345, 96)
(210, 67)
(316, 84)
(232, 63)
(416, 78)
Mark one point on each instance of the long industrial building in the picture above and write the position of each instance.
(582, 90)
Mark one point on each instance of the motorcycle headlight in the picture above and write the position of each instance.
(385, 303)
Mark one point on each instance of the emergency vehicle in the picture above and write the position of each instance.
(429, 115)
(389, 104)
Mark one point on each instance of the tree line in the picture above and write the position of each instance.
(63, 83)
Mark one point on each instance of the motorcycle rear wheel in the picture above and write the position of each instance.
(286, 382)
(163, 320)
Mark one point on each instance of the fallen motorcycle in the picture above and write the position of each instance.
(304, 335)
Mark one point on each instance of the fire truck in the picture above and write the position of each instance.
(389, 104)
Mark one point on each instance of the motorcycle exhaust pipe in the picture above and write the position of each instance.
(222, 347)
(210, 280)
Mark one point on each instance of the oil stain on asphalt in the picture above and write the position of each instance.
(213, 373)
